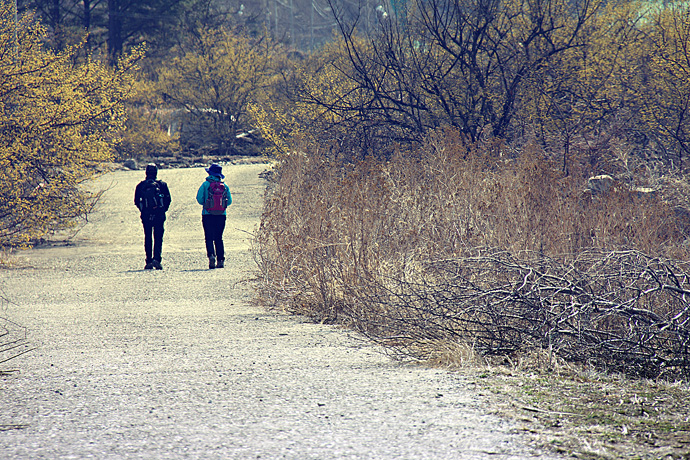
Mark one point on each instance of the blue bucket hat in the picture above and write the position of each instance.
(215, 170)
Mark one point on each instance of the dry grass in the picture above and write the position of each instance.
(462, 256)
(6, 258)
(593, 415)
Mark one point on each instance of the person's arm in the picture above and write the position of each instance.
(201, 194)
(227, 189)
(167, 199)
(136, 196)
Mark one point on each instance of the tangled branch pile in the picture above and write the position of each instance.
(622, 311)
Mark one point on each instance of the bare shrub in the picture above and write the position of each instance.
(389, 247)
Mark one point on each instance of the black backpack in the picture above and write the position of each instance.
(151, 198)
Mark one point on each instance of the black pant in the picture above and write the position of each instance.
(153, 235)
(214, 226)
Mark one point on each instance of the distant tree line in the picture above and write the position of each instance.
(118, 24)
(602, 87)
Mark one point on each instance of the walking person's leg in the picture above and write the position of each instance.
(207, 223)
(218, 240)
(158, 231)
(148, 241)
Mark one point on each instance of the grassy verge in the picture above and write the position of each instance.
(593, 415)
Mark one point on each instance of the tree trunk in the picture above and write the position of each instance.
(55, 22)
(86, 21)
(55, 14)
(114, 31)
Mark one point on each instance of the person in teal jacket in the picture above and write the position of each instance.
(213, 215)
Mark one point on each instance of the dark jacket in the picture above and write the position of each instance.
(164, 191)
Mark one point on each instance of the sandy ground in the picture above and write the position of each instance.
(171, 364)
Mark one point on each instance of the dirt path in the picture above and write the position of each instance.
(172, 364)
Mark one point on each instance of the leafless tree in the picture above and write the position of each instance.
(452, 62)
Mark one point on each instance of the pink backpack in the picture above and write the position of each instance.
(217, 198)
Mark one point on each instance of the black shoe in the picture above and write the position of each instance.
(157, 265)
(211, 262)
(148, 266)
(221, 263)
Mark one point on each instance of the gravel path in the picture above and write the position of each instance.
(135, 364)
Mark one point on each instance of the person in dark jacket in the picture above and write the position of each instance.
(152, 198)
(213, 221)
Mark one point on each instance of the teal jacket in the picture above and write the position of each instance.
(203, 192)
